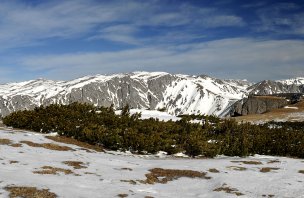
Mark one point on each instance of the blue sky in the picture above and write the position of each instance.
(62, 40)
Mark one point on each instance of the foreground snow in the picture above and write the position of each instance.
(104, 173)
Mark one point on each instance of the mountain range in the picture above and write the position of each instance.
(174, 93)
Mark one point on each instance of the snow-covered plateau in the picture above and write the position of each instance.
(30, 159)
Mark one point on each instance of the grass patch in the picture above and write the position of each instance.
(5, 142)
(68, 140)
(159, 175)
(267, 195)
(129, 181)
(237, 168)
(273, 161)
(13, 162)
(249, 162)
(213, 170)
(268, 169)
(75, 164)
(49, 146)
(9, 142)
(29, 192)
(49, 170)
(128, 169)
(301, 171)
(16, 145)
(229, 190)
(90, 173)
(122, 195)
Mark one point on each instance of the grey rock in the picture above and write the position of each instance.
(257, 105)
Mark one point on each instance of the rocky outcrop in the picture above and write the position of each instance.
(257, 105)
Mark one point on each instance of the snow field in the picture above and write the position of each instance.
(106, 174)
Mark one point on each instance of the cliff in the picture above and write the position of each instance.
(258, 105)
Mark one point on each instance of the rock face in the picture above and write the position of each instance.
(257, 105)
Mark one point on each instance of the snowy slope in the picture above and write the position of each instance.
(112, 173)
(200, 95)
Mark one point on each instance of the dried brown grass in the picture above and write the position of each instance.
(29, 192)
(213, 170)
(267, 195)
(273, 161)
(270, 97)
(49, 170)
(5, 141)
(75, 164)
(9, 142)
(301, 171)
(129, 181)
(268, 169)
(159, 175)
(249, 162)
(122, 195)
(229, 190)
(237, 168)
(16, 145)
(72, 141)
(128, 169)
(49, 146)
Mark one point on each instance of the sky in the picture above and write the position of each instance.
(227, 39)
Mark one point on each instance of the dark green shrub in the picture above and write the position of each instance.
(100, 126)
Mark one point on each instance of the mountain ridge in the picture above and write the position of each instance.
(177, 93)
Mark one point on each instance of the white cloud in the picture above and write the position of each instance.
(23, 24)
(281, 19)
(119, 33)
(228, 58)
(164, 48)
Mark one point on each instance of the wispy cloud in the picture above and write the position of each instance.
(23, 24)
(281, 18)
(120, 33)
(173, 36)
(228, 58)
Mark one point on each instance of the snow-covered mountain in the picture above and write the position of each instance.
(267, 87)
(176, 93)
(296, 81)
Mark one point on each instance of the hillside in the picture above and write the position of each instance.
(35, 164)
